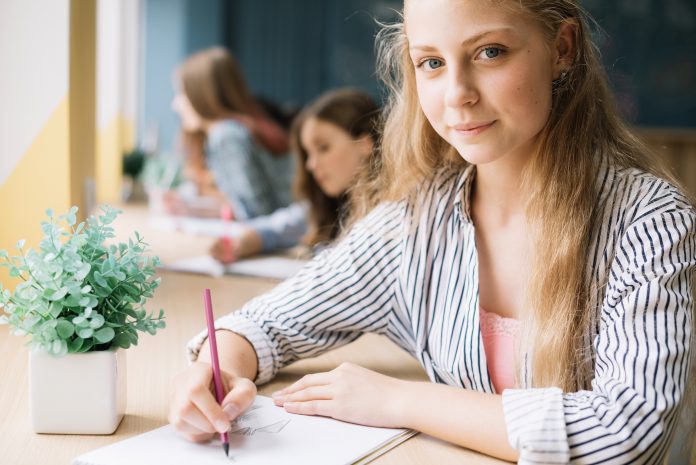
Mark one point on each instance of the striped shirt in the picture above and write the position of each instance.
(411, 274)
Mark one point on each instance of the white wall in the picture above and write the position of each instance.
(33, 72)
(117, 60)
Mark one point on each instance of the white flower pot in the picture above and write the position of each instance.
(77, 393)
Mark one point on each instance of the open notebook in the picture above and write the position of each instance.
(263, 435)
(265, 267)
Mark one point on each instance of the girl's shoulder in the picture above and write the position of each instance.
(228, 130)
(638, 196)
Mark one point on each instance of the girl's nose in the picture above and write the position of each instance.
(460, 88)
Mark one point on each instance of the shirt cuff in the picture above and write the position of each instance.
(536, 426)
(265, 350)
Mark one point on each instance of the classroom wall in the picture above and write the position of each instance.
(46, 148)
(171, 30)
(678, 148)
(117, 78)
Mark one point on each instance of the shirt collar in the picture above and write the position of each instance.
(462, 203)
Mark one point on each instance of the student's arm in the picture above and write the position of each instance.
(352, 393)
(642, 353)
(282, 229)
(342, 293)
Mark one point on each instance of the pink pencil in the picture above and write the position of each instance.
(217, 377)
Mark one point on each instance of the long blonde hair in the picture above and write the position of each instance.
(561, 180)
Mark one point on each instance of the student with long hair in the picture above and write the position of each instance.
(334, 140)
(519, 241)
(227, 134)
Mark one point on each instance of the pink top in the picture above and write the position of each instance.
(498, 335)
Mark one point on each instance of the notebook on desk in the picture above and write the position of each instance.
(263, 435)
(264, 267)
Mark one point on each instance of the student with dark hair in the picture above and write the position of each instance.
(334, 140)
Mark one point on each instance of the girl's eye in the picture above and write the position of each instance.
(490, 53)
(431, 64)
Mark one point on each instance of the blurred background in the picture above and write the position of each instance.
(87, 85)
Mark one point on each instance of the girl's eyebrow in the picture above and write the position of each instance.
(468, 41)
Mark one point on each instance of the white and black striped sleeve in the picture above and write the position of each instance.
(642, 357)
(345, 291)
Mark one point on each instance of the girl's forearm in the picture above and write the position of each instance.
(467, 418)
(236, 355)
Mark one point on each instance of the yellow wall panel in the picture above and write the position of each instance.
(40, 180)
(112, 142)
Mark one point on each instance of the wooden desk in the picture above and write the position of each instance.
(156, 359)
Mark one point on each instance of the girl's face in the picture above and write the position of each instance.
(190, 119)
(483, 76)
(333, 156)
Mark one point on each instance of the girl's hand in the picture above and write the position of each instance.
(223, 250)
(193, 410)
(245, 244)
(349, 393)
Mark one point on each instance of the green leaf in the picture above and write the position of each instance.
(100, 280)
(122, 340)
(55, 309)
(65, 329)
(96, 322)
(87, 346)
(59, 294)
(75, 344)
(59, 348)
(71, 301)
(85, 333)
(104, 335)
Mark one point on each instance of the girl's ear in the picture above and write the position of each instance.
(365, 145)
(565, 46)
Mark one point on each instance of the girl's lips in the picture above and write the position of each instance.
(472, 129)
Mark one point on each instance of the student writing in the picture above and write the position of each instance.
(335, 142)
(508, 183)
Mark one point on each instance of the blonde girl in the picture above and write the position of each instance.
(510, 188)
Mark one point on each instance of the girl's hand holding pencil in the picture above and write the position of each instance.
(195, 413)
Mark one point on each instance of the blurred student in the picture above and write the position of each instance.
(334, 140)
(232, 145)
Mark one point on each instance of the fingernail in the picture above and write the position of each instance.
(222, 426)
(231, 411)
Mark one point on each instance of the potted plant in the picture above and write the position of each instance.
(81, 303)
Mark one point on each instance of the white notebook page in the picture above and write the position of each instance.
(264, 435)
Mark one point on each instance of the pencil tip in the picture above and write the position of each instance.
(226, 448)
